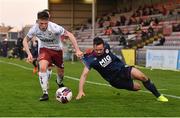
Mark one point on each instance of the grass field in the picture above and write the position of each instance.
(20, 91)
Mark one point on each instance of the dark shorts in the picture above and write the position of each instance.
(52, 56)
(123, 80)
(34, 52)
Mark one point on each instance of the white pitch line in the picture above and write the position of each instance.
(90, 82)
(16, 65)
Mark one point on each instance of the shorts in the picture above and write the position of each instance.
(123, 80)
(34, 52)
(52, 56)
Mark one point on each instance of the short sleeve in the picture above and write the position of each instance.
(87, 61)
(31, 32)
(61, 30)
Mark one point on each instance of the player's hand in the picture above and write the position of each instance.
(30, 58)
(79, 54)
(80, 95)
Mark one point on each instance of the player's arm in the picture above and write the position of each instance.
(26, 47)
(74, 42)
(82, 82)
(28, 37)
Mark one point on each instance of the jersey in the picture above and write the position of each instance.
(108, 65)
(47, 39)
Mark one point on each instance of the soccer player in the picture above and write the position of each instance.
(50, 49)
(113, 70)
(34, 52)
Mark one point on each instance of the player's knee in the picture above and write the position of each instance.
(143, 78)
(43, 69)
(136, 87)
(60, 73)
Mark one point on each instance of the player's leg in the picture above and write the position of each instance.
(44, 61)
(124, 80)
(43, 78)
(138, 75)
(136, 86)
(35, 61)
(60, 76)
(49, 72)
(35, 64)
(58, 61)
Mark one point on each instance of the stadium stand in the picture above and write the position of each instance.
(136, 27)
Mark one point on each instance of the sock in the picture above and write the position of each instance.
(49, 72)
(151, 87)
(59, 79)
(43, 78)
(35, 63)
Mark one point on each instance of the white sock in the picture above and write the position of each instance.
(43, 79)
(49, 72)
(59, 79)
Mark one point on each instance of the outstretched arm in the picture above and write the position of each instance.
(81, 83)
(74, 42)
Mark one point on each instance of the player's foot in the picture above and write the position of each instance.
(161, 98)
(44, 97)
(60, 85)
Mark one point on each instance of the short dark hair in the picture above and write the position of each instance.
(98, 41)
(46, 10)
(43, 15)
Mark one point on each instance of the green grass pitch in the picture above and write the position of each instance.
(20, 91)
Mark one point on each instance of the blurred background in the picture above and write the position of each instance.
(141, 32)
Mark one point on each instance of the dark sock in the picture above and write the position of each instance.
(151, 87)
(35, 63)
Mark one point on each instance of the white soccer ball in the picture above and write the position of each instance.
(64, 95)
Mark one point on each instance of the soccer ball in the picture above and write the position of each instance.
(63, 95)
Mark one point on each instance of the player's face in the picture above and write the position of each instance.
(43, 24)
(99, 49)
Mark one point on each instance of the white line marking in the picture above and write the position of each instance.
(90, 82)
